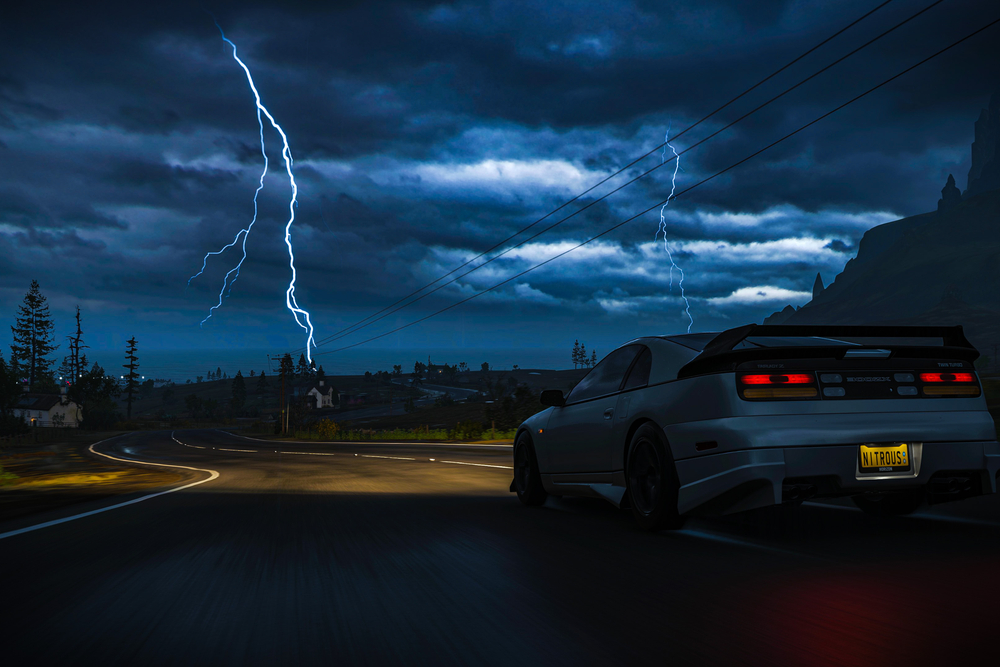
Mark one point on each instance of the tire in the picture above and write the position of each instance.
(652, 481)
(899, 503)
(527, 480)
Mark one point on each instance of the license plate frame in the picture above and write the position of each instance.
(885, 458)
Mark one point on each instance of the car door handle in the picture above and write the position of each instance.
(609, 413)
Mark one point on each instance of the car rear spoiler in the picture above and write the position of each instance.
(719, 354)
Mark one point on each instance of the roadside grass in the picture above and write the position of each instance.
(426, 434)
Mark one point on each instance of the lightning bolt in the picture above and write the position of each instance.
(227, 285)
(663, 227)
(302, 317)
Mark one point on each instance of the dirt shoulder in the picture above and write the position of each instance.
(38, 478)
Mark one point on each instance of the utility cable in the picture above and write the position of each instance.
(351, 328)
(682, 192)
(383, 314)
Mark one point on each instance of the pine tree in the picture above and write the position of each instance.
(10, 393)
(320, 375)
(287, 365)
(593, 358)
(239, 393)
(33, 339)
(261, 383)
(576, 354)
(303, 367)
(131, 380)
(583, 356)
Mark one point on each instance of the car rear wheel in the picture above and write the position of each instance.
(527, 480)
(652, 481)
(890, 504)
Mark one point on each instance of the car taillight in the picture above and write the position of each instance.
(950, 384)
(761, 386)
(946, 377)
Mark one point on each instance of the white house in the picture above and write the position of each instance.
(324, 396)
(48, 410)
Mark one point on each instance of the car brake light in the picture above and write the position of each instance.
(950, 384)
(946, 377)
(789, 378)
(760, 386)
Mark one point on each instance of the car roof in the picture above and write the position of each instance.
(698, 341)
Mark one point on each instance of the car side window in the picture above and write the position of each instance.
(639, 375)
(607, 376)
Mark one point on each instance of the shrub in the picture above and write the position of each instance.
(470, 430)
(327, 429)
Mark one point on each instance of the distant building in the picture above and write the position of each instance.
(48, 410)
(325, 397)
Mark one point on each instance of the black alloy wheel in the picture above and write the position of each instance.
(896, 503)
(652, 481)
(527, 480)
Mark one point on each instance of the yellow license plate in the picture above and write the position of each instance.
(879, 458)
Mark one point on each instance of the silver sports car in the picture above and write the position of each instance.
(762, 415)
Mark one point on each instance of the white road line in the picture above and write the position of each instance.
(56, 522)
(251, 451)
(187, 445)
(374, 456)
(478, 465)
(311, 453)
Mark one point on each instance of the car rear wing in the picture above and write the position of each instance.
(719, 355)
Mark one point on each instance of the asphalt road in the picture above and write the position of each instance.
(345, 558)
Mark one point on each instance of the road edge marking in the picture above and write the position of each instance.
(478, 465)
(55, 522)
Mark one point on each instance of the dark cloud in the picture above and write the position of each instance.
(423, 133)
(144, 119)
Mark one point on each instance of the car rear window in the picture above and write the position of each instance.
(639, 375)
(607, 376)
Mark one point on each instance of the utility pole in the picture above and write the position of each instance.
(281, 394)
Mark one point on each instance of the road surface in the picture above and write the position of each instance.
(410, 554)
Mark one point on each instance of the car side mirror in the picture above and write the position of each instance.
(552, 397)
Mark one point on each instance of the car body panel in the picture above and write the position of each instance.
(733, 454)
(577, 435)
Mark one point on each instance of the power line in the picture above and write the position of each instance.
(778, 71)
(391, 310)
(682, 192)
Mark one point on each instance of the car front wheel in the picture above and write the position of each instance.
(527, 480)
(652, 481)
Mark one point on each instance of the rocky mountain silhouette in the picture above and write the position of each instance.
(941, 267)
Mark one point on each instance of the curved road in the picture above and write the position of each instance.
(401, 554)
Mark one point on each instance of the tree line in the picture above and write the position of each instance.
(31, 361)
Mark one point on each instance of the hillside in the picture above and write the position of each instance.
(941, 267)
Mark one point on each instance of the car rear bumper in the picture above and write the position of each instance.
(741, 480)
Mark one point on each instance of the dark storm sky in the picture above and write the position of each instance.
(424, 132)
